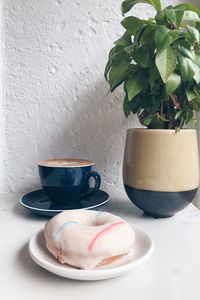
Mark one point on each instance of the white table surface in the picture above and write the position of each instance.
(172, 273)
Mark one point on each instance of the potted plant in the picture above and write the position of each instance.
(158, 62)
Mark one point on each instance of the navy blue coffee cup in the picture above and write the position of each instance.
(65, 181)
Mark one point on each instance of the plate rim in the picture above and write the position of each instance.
(77, 274)
(58, 210)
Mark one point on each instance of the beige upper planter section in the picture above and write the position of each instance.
(161, 160)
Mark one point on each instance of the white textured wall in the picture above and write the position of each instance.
(2, 109)
(55, 92)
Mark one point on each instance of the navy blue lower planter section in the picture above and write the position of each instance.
(160, 204)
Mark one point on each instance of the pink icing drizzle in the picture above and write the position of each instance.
(102, 232)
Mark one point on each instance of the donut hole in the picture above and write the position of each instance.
(96, 224)
(99, 223)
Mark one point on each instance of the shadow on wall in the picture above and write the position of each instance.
(95, 132)
(92, 127)
(196, 2)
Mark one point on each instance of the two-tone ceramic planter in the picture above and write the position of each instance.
(161, 169)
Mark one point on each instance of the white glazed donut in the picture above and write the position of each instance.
(86, 239)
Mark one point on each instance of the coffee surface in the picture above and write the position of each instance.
(65, 162)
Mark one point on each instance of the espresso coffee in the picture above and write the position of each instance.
(65, 162)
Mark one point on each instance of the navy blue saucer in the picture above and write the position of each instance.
(39, 203)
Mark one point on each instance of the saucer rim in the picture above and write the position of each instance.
(58, 210)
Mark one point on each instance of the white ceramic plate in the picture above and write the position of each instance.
(143, 249)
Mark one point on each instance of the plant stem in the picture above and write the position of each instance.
(169, 115)
(175, 101)
(161, 109)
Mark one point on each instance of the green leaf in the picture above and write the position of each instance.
(162, 118)
(136, 104)
(138, 35)
(188, 6)
(190, 95)
(196, 72)
(182, 42)
(132, 24)
(194, 33)
(178, 114)
(116, 54)
(195, 103)
(161, 18)
(166, 62)
(125, 40)
(197, 58)
(185, 68)
(107, 69)
(162, 96)
(148, 120)
(164, 37)
(154, 75)
(128, 4)
(187, 53)
(190, 16)
(188, 69)
(119, 73)
(151, 20)
(189, 115)
(126, 106)
(194, 119)
(141, 56)
(172, 82)
(129, 49)
(116, 50)
(148, 35)
(135, 85)
(174, 16)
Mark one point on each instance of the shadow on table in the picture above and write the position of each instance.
(30, 268)
(123, 207)
(27, 214)
(36, 274)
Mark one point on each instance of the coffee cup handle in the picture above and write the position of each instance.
(96, 187)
